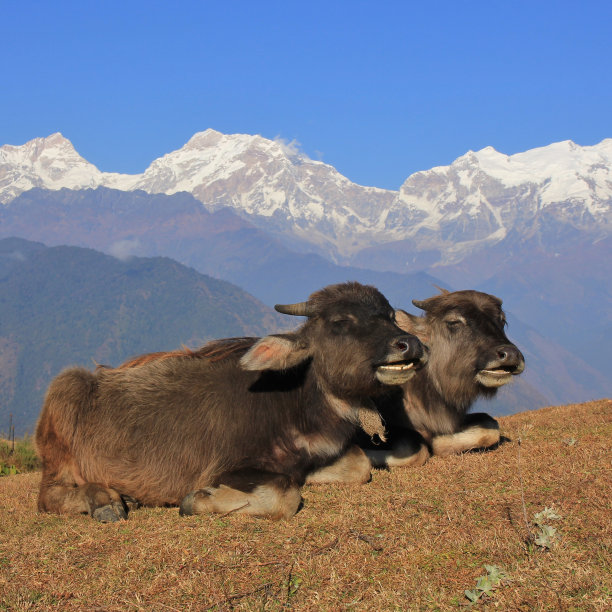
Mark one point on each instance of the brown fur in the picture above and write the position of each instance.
(215, 350)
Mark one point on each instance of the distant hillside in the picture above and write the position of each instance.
(178, 226)
(225, 246)
(62, 306)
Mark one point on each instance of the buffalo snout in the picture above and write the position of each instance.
(406, 355)
(505, 361)
(510, 357)
(412, 348)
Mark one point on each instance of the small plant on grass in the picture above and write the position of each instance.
(485, 585)
(7, 470)
(293, 584)
(546, 535)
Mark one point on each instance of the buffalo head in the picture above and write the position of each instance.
(470, 353)
(351, 339)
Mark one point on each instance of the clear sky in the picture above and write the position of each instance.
(379, 89)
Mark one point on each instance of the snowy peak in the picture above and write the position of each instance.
(535, 165)
(54, 146)
(208, 157)
(204, 139)
(560, 172)
(484, 196)
(50, 162)
(269, 179)
(211, 140)
(541, 164)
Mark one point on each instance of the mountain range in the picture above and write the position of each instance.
(437, 217)
(533, 228)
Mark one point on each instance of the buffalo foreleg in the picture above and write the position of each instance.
(60, 493)
(478, 430)
(404, 448)
(253, 492)
(353, 467)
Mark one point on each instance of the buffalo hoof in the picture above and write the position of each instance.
(130, 503)
(111, 513)
(191, 500)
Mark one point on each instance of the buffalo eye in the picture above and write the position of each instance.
(340, 323)
(454, 323)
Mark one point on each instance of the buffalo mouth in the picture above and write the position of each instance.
(398, 372)
(497, 376)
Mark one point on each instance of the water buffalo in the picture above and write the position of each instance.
(469, 357)
(233, 427)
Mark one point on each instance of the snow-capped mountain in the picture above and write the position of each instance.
(483, 196)
(271, 181)
(263, 179)
(480, 199)
(44, 162)
(50, 162)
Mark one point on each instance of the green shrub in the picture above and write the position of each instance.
(22, 459)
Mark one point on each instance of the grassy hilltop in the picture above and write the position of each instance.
(536, 514)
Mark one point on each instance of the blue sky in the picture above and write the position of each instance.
(378, 89)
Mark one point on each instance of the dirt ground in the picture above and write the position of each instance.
(411, 539)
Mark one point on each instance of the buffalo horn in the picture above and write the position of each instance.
(442, 290)
(420, 304)
(301, 309)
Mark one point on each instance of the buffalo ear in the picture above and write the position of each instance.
(412, 324)
(277, 352)
(406, 321)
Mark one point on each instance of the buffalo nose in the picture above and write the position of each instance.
(409, 346)
(509, 354)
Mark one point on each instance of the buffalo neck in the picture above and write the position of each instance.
(429, 409)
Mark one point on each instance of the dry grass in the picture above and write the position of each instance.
(409, 540)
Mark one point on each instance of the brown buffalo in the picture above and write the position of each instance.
(233, 427)
(469, 357)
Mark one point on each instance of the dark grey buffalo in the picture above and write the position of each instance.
(233, 427)
(470, 357)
